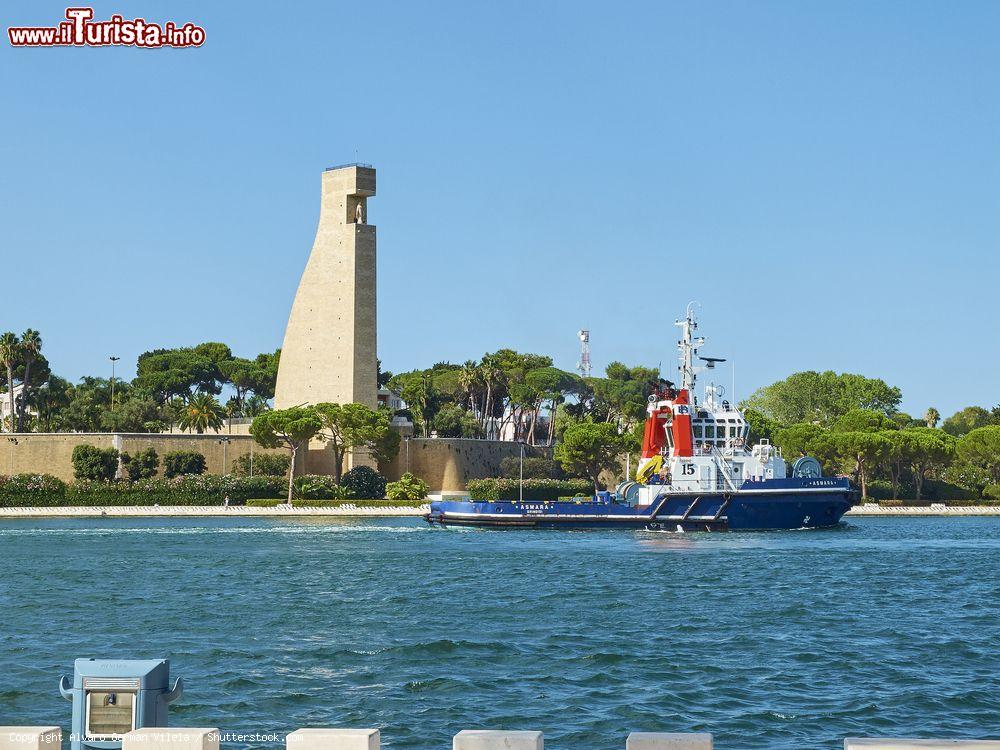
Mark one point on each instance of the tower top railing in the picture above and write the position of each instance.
(349, 164)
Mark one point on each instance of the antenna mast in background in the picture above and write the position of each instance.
(584, 364)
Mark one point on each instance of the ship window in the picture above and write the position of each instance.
(710, 431)
(698, 431)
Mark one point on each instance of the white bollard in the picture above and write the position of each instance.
(891, 743)
(493, 739)
(171, 738)
(333, 739)
(668, 741)
(30, 738)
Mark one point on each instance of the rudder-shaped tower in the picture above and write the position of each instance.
(329, 349)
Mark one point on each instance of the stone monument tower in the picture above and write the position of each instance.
(329, 350)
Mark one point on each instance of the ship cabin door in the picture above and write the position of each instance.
(705, 477)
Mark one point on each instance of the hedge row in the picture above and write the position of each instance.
(41, 490)
(497, 490)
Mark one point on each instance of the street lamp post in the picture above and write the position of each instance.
(113, 360)
(225, 445)
(520, 474)
(13, 442)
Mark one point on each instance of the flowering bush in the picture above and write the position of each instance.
(363, 482)
(189, 489)
(31, 489)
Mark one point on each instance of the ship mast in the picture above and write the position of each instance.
(688, 348)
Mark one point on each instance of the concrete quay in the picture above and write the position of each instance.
(936, 509)
(207, 511)
(191, 738)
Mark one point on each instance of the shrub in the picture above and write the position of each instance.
(535, 467)
(178, 463)
(938, 491)
(264, 464)
(409, 488)
(992, 493)
(258, 503)
(190, 489)
(97, 464)
(143, 465)
(363, 482)
(317, 487)
(31, 490)
(496, 490)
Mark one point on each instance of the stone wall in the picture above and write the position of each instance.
(26, 453)
(446, 464)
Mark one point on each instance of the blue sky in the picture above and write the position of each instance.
(823, 177)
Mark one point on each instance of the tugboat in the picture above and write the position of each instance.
(696, 473)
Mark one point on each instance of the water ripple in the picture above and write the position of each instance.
(781, 641)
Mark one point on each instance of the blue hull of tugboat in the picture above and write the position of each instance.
(793, 503)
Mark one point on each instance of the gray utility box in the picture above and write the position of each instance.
(111, 697)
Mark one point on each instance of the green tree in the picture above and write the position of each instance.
(83, 412)
(136, 411)
(927, 450)
(622, 396)
(932, 416)
(806, 439)
(823, 397)
(588, 448)
(264, 465)
(250, 376)
(863, 420)
(31, 350)
(143, 465)
(761, 427)
(181, 463)
(288, 428)
(180, 372)
(202, 412)
(93, 463)
(865, 450)
(10, 355)
(454, 421)
(49, 400)
(552, 385)
(347, 427)
(899, 452)
(966, 420)
(980, 449)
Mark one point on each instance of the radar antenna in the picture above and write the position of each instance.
(584, 364)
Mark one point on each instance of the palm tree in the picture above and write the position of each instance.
(932, 416)
(31, 349)
(469, 380)
(202, 412)
(10, 353)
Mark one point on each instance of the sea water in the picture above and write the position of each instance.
(796, 639)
